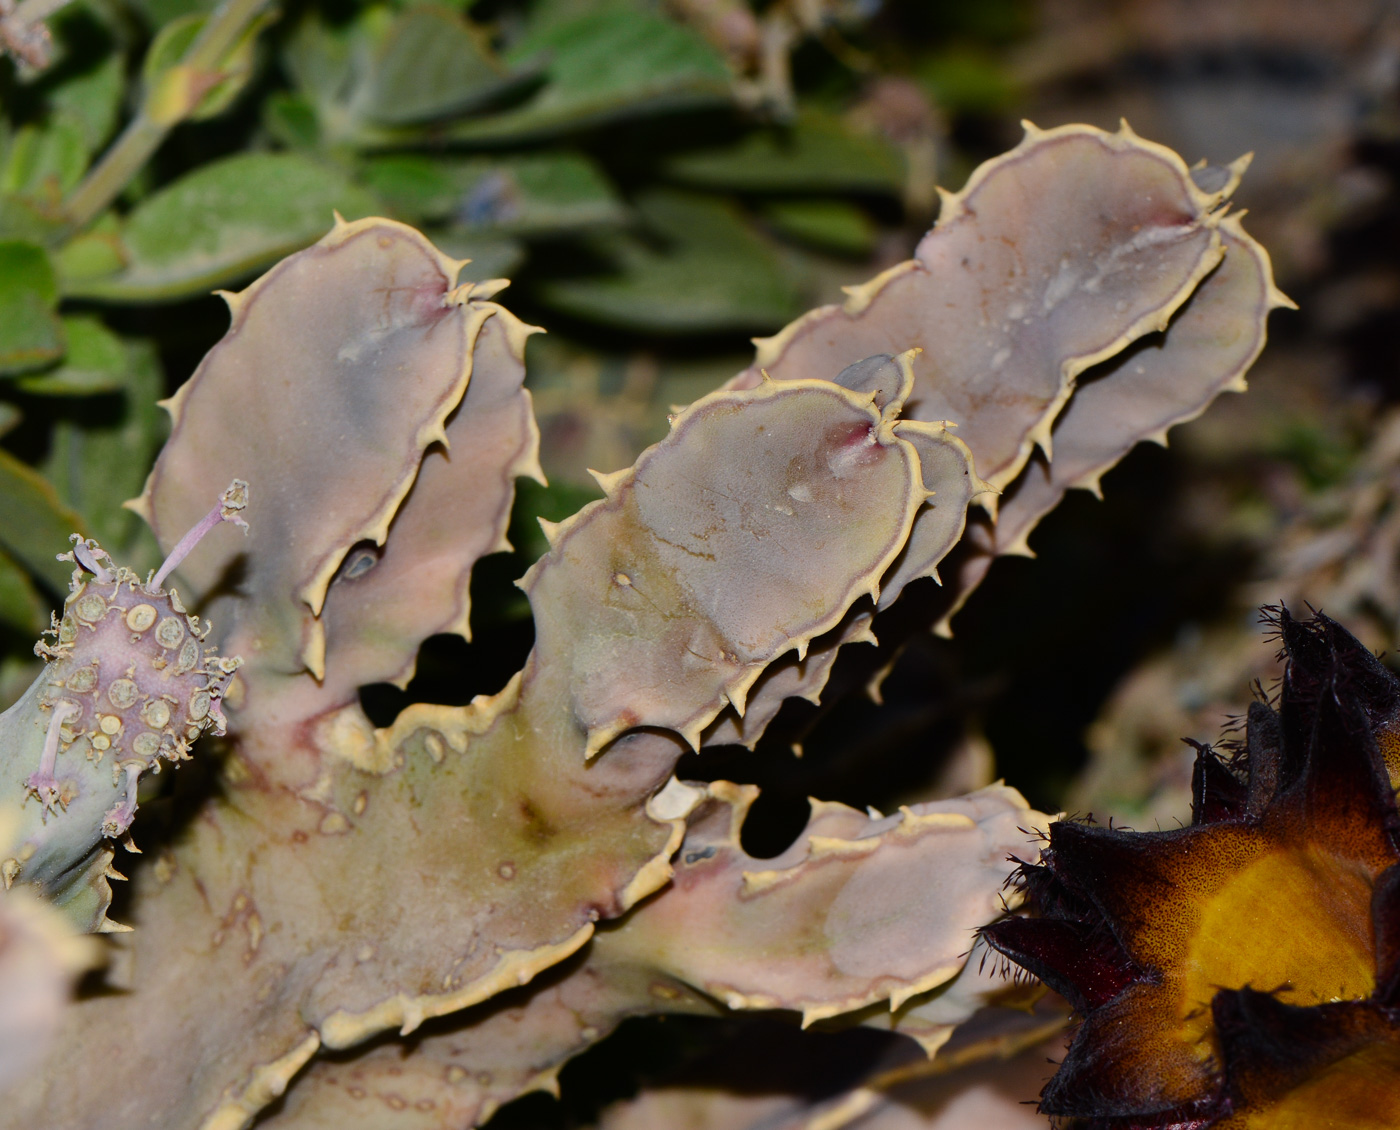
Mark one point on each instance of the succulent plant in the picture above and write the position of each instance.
(343, 882)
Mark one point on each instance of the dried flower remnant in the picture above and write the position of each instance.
(131, 680)
(1244, 971)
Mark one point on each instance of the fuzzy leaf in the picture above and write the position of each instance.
(98, 452)
(93, 100)
(222, 222)
(430, 63)
(817, 153)
(21, 607)
(537, 194)
(830, 225)
(91, 254)
(605, 65)
(95, 361)
(31, 334)
(44, 162)
(712, 272)
(34, 524)
(323, 59)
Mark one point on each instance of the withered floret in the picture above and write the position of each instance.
(1244, 971)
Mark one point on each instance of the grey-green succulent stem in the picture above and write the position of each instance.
(143, 135)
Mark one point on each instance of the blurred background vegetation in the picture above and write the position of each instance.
(663, 179)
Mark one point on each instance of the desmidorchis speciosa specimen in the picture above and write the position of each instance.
(1244, 971)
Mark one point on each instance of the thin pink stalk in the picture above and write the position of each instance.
(225, 510)
(43, 782)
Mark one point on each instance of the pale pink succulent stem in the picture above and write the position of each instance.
(43, 784)
(225, 510)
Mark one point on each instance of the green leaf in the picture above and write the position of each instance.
(92, 101)
(9, 417)
(34, 524)
(92, 254)
(291, 120)
(44, 162)
(605, 65)
(963, 79)
(36, 221)
(417, 187)
(158, 13)
(30, 332)
(370, 80)
(101, 450)
(711, 272)
(21, 606)
(333, 64)
(323, 60)
(831, 225)
(818, 153)
(541, 194)
(96, 361)
(546, 15)
(224, 221)
(431, 63)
